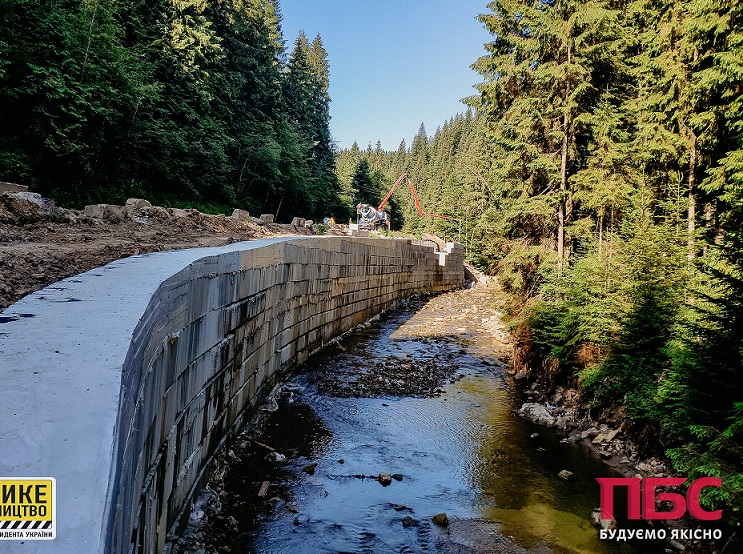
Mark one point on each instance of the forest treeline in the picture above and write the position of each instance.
(599, 173)
(184, 102)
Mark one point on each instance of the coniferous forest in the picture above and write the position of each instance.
(598, 172)
(190, 102)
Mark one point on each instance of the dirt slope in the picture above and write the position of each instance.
(41, 244)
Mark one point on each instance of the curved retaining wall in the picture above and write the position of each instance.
(127, 379)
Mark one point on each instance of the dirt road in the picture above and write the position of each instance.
(40, 246)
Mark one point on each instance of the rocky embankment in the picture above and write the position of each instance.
(610, 441)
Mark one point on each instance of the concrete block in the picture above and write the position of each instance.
(106, 211)
(178, 213)
(137, 204)
(241, 215)
(298, 222)
(12, 187)
(267, 218)
(213, 331)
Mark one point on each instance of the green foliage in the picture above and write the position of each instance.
(177, 100)
(616, 127)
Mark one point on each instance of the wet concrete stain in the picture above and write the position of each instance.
(420, 395)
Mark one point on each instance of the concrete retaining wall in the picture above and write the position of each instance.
(213, 339)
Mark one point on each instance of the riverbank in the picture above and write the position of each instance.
(352, 456)
(608, 439)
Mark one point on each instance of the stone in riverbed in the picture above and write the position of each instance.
(310, 468)
(537, 413)
(566, 475)
(603, 523)
(441, 520)
(609, 436)
(276, 457)
(408, 521)
(384, 479)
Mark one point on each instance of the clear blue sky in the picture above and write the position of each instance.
(394, 64)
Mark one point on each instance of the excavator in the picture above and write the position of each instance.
(369, 217)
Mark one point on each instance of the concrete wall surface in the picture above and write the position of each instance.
(124, 381)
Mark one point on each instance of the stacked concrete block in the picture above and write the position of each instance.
(213, 341)
(221, 334)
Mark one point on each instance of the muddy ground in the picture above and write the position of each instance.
(39, 245)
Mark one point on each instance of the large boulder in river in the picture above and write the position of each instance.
(536, 413)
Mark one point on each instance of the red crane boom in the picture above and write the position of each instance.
(418, 207)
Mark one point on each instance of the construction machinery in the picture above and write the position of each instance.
(369, 217)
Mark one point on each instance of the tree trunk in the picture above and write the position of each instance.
(563, 174)
(692, 201)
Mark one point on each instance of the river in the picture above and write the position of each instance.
(420, 395)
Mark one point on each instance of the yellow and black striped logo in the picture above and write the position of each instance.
(28, 508)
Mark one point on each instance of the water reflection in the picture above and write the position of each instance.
(464, 453)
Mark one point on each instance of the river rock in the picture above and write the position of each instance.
(603, 523)
(384, 479)
(596, 517)
(441, 520)
(566, 475)
(537, 413)
(609, 436)
(276, 457)
(310, 468)
(408, 521)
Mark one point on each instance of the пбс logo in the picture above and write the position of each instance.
(641, 495)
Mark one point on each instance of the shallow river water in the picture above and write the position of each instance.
(458, 449)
